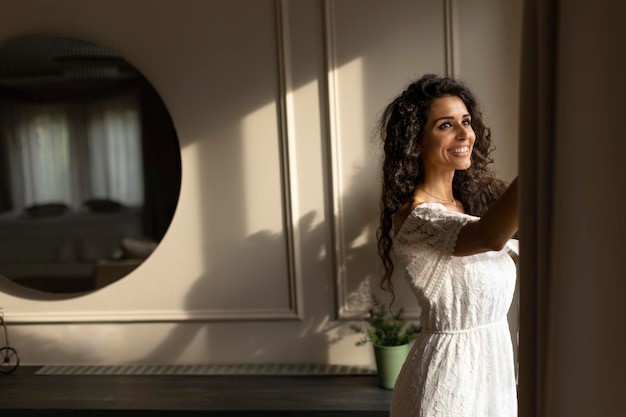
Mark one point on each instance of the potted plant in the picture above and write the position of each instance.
(391, 336)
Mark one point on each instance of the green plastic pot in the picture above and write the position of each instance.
(389, 361)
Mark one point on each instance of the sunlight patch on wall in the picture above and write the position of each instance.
(261, 165)
(347, 121)
(304, 112)
(354, 179)
(361, 240)
(191, 225)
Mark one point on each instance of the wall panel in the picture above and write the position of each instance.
(374, 49)
(275, 104)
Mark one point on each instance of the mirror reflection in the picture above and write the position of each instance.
(90, 165)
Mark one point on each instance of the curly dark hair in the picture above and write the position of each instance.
(402, 130)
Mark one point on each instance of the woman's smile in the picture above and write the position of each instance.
(461, 151)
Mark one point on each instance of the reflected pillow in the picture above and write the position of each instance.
(137, 248)
(46, 210)
(102, 205)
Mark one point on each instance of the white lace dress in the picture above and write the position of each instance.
(462, 363)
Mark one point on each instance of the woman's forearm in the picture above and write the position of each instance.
(495, 227)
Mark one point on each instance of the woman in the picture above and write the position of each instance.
(448, 222)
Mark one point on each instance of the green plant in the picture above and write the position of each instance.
(385, 328)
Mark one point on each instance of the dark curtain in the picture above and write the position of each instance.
(162, 164)
(572, 223)
(5, 189)
(537, 132)
(71, 90)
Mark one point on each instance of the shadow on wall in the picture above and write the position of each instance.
(292, 341)
(258, 340)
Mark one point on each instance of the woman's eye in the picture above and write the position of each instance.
(445, 125)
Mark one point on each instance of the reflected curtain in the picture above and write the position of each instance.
(573, 278)
(49, 159)
(114, 139)
(38, 146)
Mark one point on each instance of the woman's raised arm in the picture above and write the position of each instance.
(499, 223)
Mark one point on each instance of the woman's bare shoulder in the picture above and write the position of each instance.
(403, 212)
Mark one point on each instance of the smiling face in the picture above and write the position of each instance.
(448, 136)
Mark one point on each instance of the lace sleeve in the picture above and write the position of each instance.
(426, 238)
(430, 227)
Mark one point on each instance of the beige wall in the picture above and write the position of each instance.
(274, 103)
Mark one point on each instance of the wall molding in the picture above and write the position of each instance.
(334, 159)
(148, 316)
(449, 22)
(342, 307)
(288, 158)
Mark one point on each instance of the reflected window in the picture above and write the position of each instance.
(50, 160)
(90, 165)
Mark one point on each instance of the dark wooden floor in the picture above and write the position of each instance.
(23, 393)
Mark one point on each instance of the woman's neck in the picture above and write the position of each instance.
(439, 184)
(437, 189)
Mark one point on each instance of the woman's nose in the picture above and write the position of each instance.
(463, 132)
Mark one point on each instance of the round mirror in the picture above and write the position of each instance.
(90, 165)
